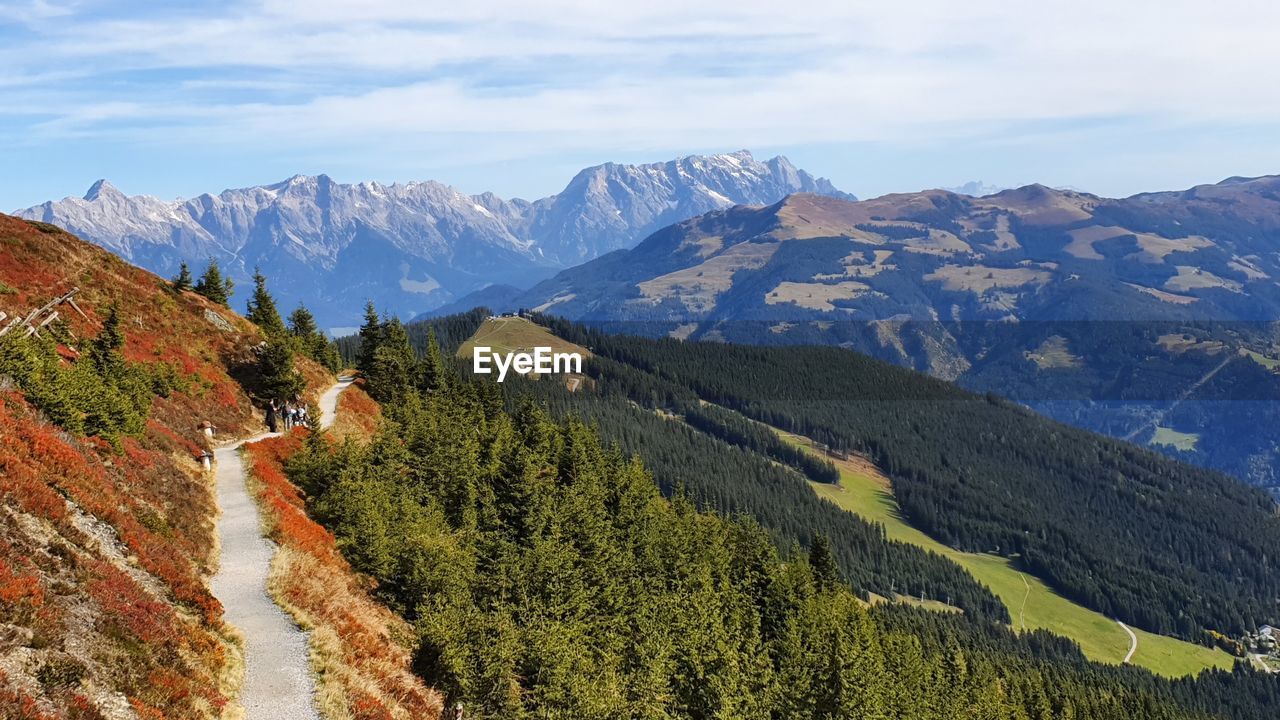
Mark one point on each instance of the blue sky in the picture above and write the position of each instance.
(180, 98)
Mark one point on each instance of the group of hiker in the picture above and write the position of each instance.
(289, 413)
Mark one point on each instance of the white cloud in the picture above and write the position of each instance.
(665, 73)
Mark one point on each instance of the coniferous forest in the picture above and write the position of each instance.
(546, 575)
(1163, 545)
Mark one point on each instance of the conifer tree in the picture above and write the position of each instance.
(278, 378)
(313, 342)
(215, 287)
(393, 369)
(370, 338)
(826, 574)
(104, 351)
(433, 375)
(261, 308)
(302, 323)
(182, 283)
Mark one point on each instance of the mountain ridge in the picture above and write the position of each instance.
(1045, 295)
(413, 246)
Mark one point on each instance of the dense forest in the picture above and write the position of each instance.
(1165, 546)
(547, 577)
(737, 482)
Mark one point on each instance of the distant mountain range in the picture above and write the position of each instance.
(412, 247)
(1138, 317)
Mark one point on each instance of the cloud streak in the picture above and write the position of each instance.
(327, 76)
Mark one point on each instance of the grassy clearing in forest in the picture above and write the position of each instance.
(866, 492)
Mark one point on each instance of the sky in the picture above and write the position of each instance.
(514, 96)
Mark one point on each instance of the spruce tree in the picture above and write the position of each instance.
(370, 338)
(433, 375)
(261, 308)
(825, 571)
(182, 283)
(302, 323)
(277, 377)
(314, 343)
(215, 287)
(392, 372)
(104, 351)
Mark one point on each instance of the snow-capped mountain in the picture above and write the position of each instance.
(613, 206)
(411, 247)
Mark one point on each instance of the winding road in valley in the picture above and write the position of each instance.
(278, 681)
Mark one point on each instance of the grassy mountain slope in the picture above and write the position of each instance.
(977, 289)
(865, 491)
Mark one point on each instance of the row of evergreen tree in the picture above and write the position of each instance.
(547, 577)
(274, 377)
(1166, 546)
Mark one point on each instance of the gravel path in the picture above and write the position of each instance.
(329, 401)
(278, 682)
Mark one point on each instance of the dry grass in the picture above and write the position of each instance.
(683, 332)
(978, 279)
(1193, 278)
(514, 334)
(1174, 438)
(1151, 248)
(854, 266)
(358, 415)
(697, 287)
(1053, 354)
(1247, 267)
(1165, 296)
(815, 296)
(1038, 205)
(1179, 343)
(566, 297)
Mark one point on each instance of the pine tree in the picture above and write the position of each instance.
(825, 571)
(433, 375)
(393, 369)
(104, 351)
(215, 287)
(278, 379)
(182, 283)
(302, 323)
(314, 343)
(370, 338)
(261, 308)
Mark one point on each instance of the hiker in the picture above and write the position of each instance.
(288, 416)
(271, 416)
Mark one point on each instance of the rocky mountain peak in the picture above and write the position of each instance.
(101, 188)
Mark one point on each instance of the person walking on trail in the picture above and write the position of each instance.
(271, 416)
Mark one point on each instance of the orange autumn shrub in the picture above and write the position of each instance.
(358, 414)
